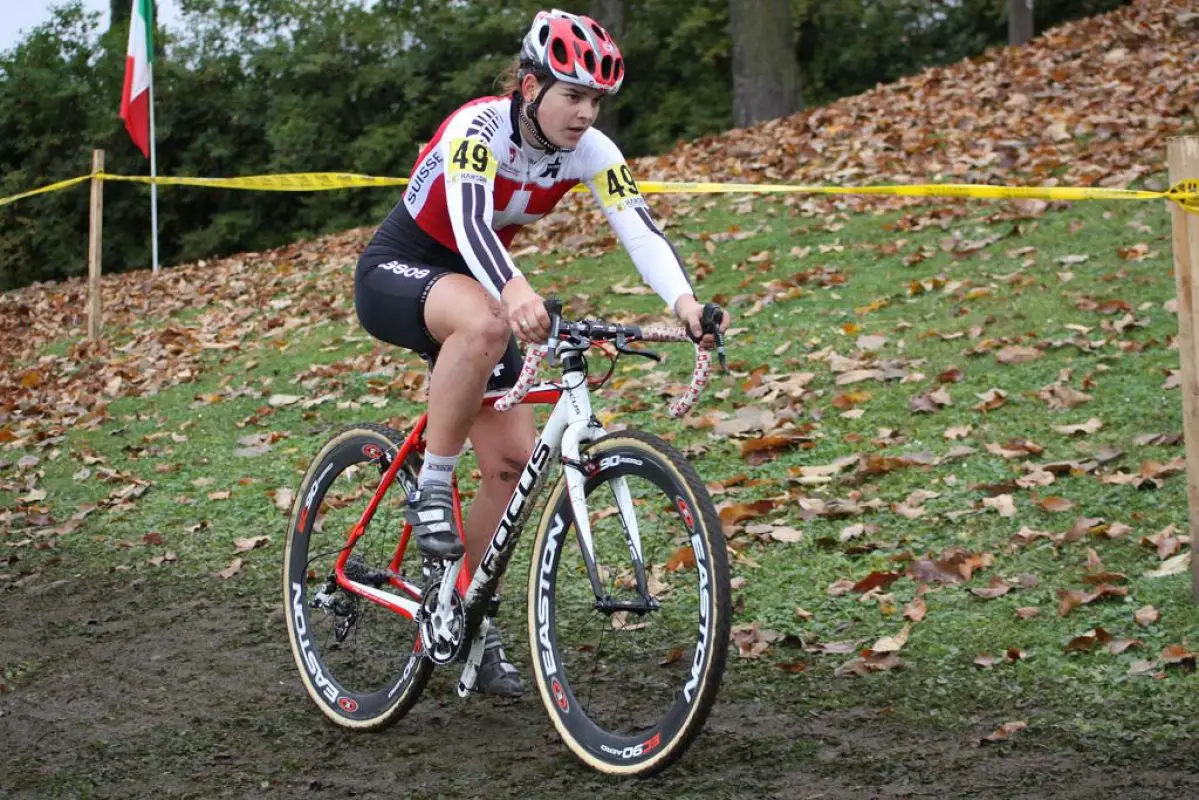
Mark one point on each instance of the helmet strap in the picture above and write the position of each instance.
(540, 140)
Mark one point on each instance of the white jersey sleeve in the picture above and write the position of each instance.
(470, 166)
(607, 175)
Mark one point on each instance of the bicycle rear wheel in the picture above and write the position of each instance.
(360, 662)
(629, 674)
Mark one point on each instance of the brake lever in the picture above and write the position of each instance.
(622, 346)
(709, 322)
(553, 307)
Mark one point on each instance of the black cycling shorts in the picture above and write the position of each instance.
(389, 296)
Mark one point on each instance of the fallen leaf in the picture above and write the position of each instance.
(1118, 646)
(231, 570)
(245, 545)
(165, 558)
(832, 648)
(278, 400)
(1084, 643)
(992, 399)
(915, 609)
(958, 432)
(871, 343)
(876, 580)
(1141, 667)
(1146, 616)
(1055, 505)
(785, 534)
(1062, 398)
(222, 495)
(620, 622)
(1027, 612)
(866, 665)
(681, 559)
(1003, 732)
(892, 644)
(1016, 354)
(1172, 566)
(997, 587)
(1003, 504)
(1090, 426)
(1176, 654)
(284, 497)
(1068, 600)
(840, 587)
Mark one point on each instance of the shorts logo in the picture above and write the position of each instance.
(405, 271)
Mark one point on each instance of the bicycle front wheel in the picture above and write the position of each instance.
(629, 651)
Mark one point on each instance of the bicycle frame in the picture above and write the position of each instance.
(569, 426)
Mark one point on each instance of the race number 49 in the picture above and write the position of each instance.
(615, 185)
(470, 160)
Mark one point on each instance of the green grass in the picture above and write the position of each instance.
(993, 296)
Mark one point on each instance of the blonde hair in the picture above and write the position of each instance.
(510, 78)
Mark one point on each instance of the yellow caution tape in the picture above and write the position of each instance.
(54, 187)
(293, 182)
(1185, 193)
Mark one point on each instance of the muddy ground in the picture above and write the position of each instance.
(150, 688)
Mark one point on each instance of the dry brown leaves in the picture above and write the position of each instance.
(1002, 733)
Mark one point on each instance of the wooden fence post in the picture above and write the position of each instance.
(1183, 157)
(93, 248)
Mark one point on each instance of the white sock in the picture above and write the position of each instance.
(437, 469)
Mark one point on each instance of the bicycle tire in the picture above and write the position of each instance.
(360, 708)
(653, 747)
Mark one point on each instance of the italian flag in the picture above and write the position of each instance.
(135, 99)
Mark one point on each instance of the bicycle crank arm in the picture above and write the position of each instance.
(470, 673)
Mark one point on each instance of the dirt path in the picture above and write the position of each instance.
(154, 690)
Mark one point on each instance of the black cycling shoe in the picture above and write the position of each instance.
(430, 512)
(497, 676)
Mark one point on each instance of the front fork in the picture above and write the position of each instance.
(576, 473)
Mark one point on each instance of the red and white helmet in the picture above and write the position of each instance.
(575, 49)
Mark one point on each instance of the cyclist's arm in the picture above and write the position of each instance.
(469, 191)
(614, 188)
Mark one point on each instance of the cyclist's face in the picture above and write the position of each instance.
(566, 112)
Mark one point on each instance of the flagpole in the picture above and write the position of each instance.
(153, 8)
(153, 175)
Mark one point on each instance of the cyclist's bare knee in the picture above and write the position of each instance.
(460, 307)
(508, 469)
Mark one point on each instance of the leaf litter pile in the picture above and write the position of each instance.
(893, 451)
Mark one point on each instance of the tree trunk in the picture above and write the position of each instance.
(119, 13)
(610, 14)
(765, 74)
(1019, 21)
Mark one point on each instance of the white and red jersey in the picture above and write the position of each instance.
(477, 183)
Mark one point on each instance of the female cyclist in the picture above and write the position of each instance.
(437, 278)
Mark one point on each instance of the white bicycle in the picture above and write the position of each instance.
(628, 591)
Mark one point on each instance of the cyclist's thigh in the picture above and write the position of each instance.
(503, 442)
(458, 301)
(390, 295)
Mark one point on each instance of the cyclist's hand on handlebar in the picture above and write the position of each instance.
(691, 313)
(526, 311)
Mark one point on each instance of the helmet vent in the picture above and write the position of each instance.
(558, 48)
